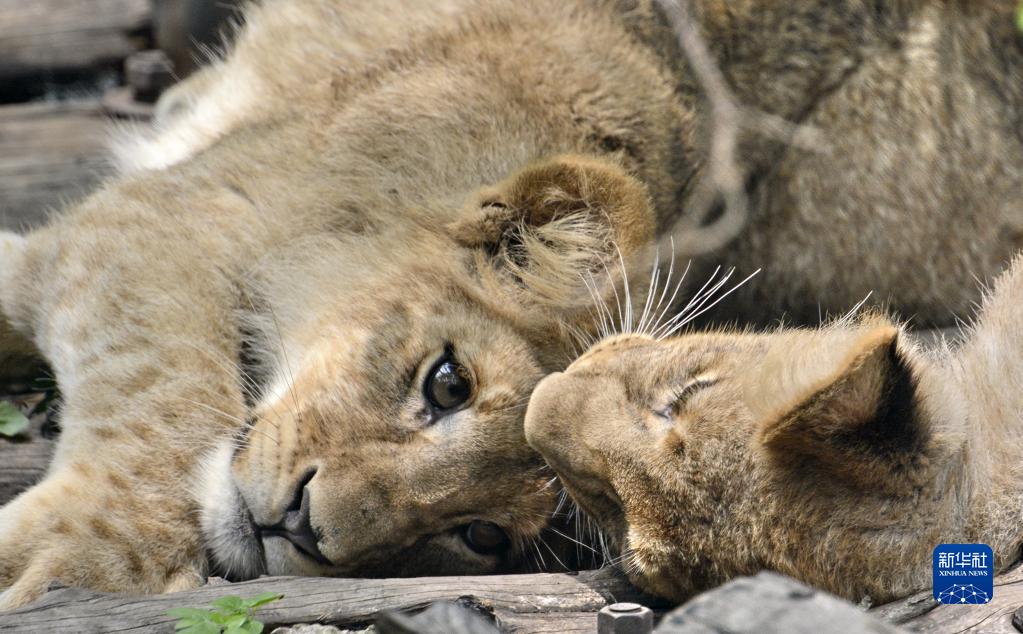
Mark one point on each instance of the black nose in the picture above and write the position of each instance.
(295, 525)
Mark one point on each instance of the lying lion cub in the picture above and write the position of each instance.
(840, 456)
(298, 333)
(307, 347)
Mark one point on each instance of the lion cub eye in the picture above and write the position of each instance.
(448, 384)
(485, 538)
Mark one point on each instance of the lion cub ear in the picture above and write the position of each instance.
(846, 404)
(542, 231)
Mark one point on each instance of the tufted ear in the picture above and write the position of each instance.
(539, 234)
(847, 407)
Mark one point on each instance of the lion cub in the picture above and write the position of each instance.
(841, 456)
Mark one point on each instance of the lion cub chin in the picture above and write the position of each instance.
(841, 456)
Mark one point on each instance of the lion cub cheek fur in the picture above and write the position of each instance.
(841, 456)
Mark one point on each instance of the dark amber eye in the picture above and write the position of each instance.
(449, 385)
(486, 538)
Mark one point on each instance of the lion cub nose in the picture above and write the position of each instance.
(296, 526)
(555, 408)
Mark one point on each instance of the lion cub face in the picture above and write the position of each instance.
(387, 436)
(713, 455)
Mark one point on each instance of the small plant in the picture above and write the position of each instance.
(12, 421)
(231, 615)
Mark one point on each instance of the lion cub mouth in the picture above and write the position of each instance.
(294, 526)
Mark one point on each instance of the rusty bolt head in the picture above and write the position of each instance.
(148, 73)
(625, 618)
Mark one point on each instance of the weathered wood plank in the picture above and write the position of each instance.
(24, 458)
(549, 622)
(568, 602)
(22, 464)
(994, 617)
(50, 153)
(49, 35)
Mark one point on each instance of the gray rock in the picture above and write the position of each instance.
(439, 618)
(770, 603)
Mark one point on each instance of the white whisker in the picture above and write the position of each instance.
(618, 302)
(627, 327)
(712, 305)
(651, 291)
(855, 309)
(696, 298)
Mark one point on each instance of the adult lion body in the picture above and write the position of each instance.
(313, 308)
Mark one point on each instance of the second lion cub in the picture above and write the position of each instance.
(841, 456)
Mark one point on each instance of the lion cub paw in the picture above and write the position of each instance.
(60, 531)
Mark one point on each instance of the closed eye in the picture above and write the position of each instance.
(680, 398)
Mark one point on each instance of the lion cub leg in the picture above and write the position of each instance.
(141, 345)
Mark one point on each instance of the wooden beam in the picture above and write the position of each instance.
(531, 603)
(50, 154)
(62, 35)
(921, 613)
(22, 464)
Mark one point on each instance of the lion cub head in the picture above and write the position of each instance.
(392, 372)
(713, 455)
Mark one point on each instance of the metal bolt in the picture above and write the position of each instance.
(148, 73)
(625, 618)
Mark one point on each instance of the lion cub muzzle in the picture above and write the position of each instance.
(566, 422)
(295, 526)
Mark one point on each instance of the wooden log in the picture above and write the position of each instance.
(530, 603)
(50, 153)
(920, 613)
(58, 35)
(25, 458)
(22, 464)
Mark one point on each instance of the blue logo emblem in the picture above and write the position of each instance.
(964, 573)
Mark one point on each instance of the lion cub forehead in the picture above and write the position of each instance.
(697, 349)
(608, 347)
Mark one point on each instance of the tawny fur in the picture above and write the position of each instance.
(317, 204)
(841, 456)
(338, 243)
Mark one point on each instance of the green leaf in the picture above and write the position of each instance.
(236, 620)
(190, 613)
(201, 628)
(251, 627)
(231, 604)
(263, 599)
(12, 421)
(1019, 17)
